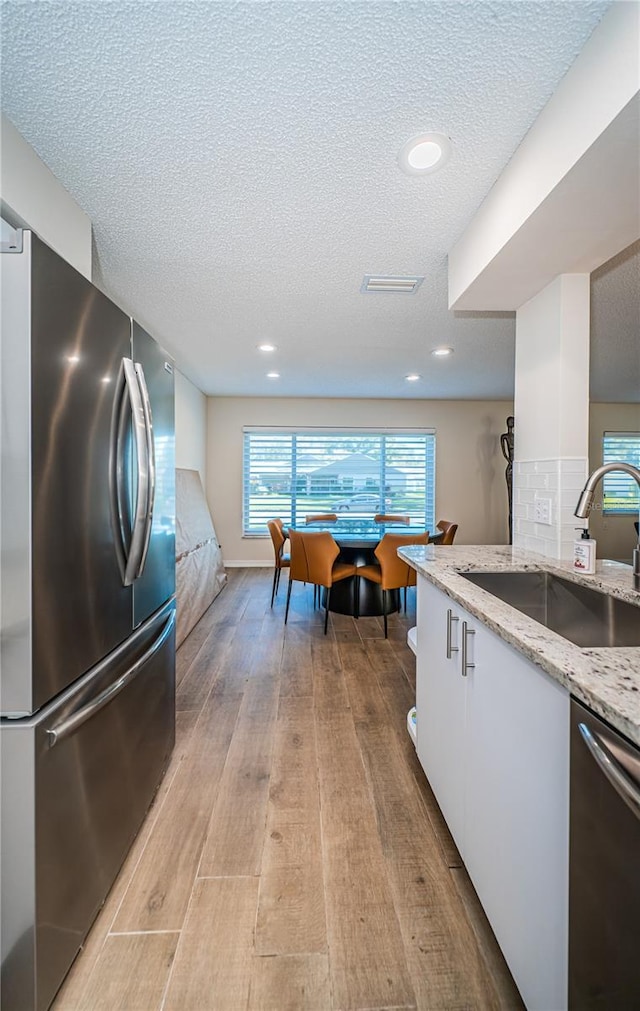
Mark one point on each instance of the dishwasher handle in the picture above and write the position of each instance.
(67, 727)
(620, 781)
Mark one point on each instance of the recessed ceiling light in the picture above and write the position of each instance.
(442, 352)
(266, 347)
(412, 377)
(273, 375)
(424, 154)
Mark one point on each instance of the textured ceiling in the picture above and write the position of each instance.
(238, 162)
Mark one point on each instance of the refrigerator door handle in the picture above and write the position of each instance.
(117, 483)
(69, 725)
(151, 466)
(142, 465)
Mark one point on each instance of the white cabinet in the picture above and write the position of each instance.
(494, 744)
(441, 699)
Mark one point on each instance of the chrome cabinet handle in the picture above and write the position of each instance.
(151, 467)
(619, 779)
(466, 665)
(451, 617)
(67, 727)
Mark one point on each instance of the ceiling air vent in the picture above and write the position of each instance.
(374, 283)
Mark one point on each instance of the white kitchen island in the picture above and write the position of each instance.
(492, 698)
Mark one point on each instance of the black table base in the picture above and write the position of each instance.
(370, 602)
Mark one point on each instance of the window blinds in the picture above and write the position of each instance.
(619, 490)
(290, 473)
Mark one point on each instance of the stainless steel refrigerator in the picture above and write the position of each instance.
(88, 609)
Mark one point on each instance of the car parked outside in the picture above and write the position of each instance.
(364, 502)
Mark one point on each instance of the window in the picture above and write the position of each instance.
(353, 473)
(619, 490)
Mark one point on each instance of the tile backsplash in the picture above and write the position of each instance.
(549, 490)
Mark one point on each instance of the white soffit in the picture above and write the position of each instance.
(591, 215)
(569, 200)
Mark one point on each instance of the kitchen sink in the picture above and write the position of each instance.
(584, 616)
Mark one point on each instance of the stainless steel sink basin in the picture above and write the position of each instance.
(580, 614)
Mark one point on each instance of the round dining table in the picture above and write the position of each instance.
(357, 540)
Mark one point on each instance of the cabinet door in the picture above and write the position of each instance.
(516, 803)
(440, 706)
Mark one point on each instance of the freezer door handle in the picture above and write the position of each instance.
(618, 778)
(151, 467)
(117, 478)
(69, 725)
(130, 538)
(142, 461)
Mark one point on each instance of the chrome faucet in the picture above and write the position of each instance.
(585, 503)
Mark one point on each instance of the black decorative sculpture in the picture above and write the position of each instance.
(506, 443)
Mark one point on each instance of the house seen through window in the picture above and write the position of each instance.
(352, 473)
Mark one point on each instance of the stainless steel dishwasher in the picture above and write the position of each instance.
(604, 873)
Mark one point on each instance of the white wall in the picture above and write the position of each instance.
(191, 426)
(552, 370)
(470, 484)
(32, 197)
(615, 535)
(551, 411)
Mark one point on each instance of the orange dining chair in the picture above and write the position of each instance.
(448, 529)
(313, 560)
(282, 561)
(392, 573)
(390, 518)
(283, 530)
(321, 518)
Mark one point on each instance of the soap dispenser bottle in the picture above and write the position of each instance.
(584, 553)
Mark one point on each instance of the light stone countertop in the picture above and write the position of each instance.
(607, 679)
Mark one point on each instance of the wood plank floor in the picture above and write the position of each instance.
(294, 857)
